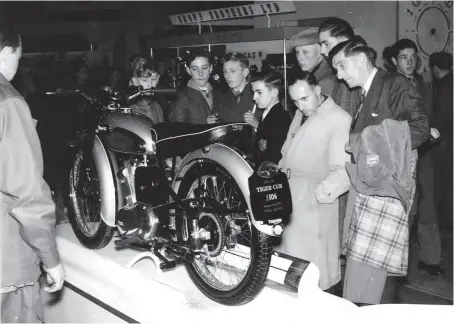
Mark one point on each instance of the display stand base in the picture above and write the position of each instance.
(127, 285)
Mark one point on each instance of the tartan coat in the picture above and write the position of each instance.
(313, 154)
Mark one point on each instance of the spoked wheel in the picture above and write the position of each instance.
(85, 208)
(236, 273)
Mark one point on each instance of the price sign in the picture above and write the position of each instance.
(270, 197)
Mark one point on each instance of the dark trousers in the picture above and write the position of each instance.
(443, 165)
(342, 211)
(428, 232)
(364, 284)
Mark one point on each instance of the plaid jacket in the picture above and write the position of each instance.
(379, 231)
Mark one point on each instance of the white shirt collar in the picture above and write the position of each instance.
(369, 80)
(268, 110)
(239, 91)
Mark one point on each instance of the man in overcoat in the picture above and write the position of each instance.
(27, 211)
(313, 156)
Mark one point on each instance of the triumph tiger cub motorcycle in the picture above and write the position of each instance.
(198, 213)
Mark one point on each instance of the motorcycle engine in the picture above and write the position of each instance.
(151, 185)
(140, 217)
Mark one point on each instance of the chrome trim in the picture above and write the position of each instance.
(106, 182)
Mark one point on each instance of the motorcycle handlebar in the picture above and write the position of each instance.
(151, 91)
(72, 91)
(139, 91)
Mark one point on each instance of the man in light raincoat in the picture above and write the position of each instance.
(314, 159)
(27, 211)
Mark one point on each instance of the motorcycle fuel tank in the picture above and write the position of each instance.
(128, 132)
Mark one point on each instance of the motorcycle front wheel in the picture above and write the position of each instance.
(84, 212)
(235, 275)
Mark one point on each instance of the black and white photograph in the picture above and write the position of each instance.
(226, 162)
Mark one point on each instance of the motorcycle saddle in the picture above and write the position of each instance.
(177, 139)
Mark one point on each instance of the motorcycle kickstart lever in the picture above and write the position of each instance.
(123, 242)
(165, 264)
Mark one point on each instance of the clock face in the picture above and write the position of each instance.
(433, 30)
(429, 25)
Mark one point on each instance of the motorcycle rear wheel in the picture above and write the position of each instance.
(84, 212)
(250, 278)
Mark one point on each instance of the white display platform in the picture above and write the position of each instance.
(100, 288)
(104, 275)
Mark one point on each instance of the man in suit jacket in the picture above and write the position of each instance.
(275, 122)
(384, 95)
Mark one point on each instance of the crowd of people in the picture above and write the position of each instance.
(367, 151)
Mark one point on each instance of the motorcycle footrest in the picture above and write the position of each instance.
(128, 241)
(167, 265)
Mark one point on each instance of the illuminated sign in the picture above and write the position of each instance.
(246, 11)
(255, 55)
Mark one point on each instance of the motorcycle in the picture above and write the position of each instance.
(198, 212)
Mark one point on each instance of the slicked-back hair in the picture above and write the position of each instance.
(299, 75)
(9, 37)
(190, 57)
(236, 57)
(354, 46)
(442, 60)
(271, 78)
(337, 27)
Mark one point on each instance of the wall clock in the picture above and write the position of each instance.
(428, 24)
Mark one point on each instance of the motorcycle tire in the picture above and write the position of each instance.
(84, 166)
(260, 248)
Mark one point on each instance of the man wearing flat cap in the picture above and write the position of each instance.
(309, 55)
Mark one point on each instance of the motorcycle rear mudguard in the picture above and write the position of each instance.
(234, 163)
(109, 184)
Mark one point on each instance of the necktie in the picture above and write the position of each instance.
(206, 93)
(361, 100)
(237, 95)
